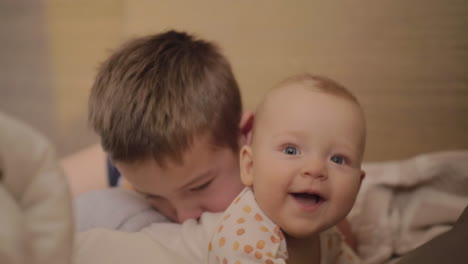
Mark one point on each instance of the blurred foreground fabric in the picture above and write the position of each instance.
(36, 224)
(404, 204)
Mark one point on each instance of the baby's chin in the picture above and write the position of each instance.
(307, 232)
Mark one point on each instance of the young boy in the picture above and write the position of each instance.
(168, 110)
(302, 172)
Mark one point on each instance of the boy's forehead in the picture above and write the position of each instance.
(201, 158)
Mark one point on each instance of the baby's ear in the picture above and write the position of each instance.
(246, 165)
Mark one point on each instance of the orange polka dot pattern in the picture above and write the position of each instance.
(245, 235)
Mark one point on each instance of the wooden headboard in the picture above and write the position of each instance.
(407, 61)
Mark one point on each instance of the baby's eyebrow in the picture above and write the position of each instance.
(349, 147)
(288, 134)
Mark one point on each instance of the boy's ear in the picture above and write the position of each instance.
(246, 165)
(246, 125)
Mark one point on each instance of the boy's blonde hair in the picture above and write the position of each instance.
(158, 93)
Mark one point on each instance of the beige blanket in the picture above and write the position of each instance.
(403, 204)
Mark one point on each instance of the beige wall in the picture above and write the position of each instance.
(407, 61)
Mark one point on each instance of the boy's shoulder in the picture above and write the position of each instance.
(334, 249)
(114, 208)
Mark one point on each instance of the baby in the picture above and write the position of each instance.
(302, 174)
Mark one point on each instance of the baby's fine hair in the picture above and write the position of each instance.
(319, 83)
(313, 83)
(156, 94)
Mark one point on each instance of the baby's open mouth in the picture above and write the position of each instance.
(308, 200)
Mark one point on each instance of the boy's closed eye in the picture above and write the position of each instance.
(201, 186)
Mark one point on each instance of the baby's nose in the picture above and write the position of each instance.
(315, 168)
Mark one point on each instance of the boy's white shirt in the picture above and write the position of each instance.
(159, 243)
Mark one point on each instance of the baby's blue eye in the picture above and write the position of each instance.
(290, 150)
(338, 160)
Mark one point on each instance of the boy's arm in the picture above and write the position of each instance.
(101, 246)
(86, 169)
(189, 239)
(158, 243)
(114, 208)
(345, 229)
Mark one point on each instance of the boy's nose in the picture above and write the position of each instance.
(315, 168)
(186, 214)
